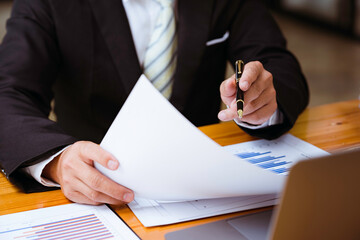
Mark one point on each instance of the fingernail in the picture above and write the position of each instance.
(112, 164)
(221, 115)
(128, 197)
(244, 85)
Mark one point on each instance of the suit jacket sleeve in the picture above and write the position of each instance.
(254, 36)
(29, 62)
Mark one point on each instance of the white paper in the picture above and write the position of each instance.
(154, 213)
(73, 221)
(164, 157)
(286, 151)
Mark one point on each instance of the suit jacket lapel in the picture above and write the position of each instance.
(193, 29)
(114, 26)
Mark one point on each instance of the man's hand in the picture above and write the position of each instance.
(259, 95)
(80, 182)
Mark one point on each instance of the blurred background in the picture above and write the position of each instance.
(323, 34)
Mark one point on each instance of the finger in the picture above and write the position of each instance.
(228, 114)
(228, 90)
(74, 190)
(96, 196)
(100, 183)
(252, 71)
(265, 98)
(261, 115)
(263, 83)
(78, 197)
(93, 152)
(82, 193)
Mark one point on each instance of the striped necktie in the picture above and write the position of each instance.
(160, 56)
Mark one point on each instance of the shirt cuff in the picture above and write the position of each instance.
(36, 170)
(276, 118)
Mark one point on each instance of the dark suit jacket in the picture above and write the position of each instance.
(81, 53)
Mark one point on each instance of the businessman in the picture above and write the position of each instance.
(87, 55)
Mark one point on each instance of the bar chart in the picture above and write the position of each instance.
(88, 226)
(71, 221)
(264, 160)
(277, 156)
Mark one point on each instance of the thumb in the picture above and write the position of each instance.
(95, 153)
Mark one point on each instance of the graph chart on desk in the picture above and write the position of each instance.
(278, 155)
(87, 226)
(72, 221)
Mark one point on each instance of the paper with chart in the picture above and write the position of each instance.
(70, 221)
(164, 157)
(276, 156)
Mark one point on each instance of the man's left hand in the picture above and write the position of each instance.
(259, 95)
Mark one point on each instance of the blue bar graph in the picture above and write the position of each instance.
(266, 160)
(280, 170)
(272, 164)
(263, 159)
(251, 154)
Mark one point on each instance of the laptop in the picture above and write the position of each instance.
(321, 200)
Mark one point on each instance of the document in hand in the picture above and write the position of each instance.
(164, 157)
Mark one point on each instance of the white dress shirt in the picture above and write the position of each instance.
(142, 16)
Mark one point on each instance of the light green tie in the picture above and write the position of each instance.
(160, 56)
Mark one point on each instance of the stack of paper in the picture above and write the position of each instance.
(276, 156)
(164, 157)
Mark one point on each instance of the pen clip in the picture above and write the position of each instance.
(239, 68)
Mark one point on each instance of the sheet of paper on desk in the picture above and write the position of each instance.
(276, 156)
(164, 157)
(68, 221)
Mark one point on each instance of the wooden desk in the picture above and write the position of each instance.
(332, 127)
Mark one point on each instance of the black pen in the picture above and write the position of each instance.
(239, 68)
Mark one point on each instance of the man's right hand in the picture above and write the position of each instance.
(80, 182)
